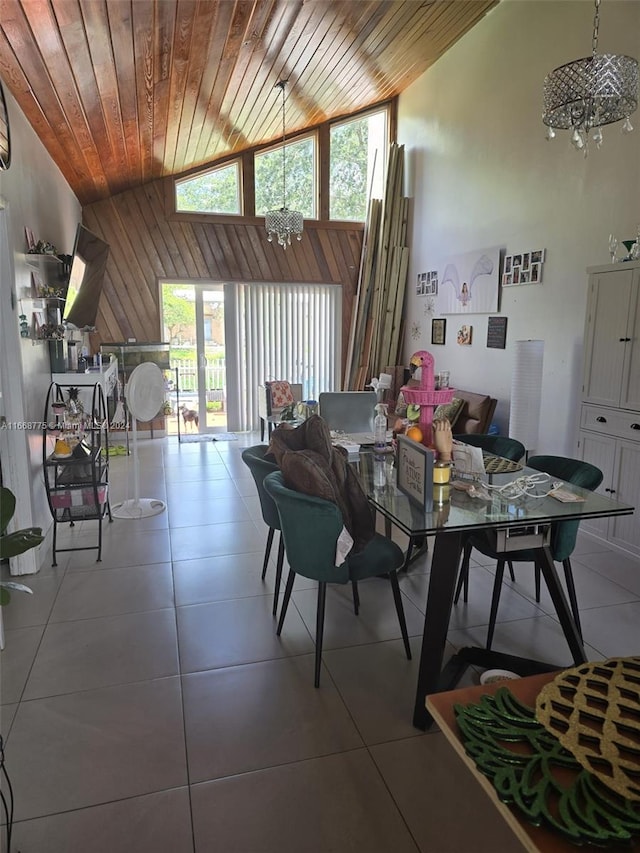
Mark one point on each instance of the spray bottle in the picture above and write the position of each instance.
(380, 428)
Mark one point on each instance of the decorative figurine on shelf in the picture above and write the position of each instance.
(74, 406)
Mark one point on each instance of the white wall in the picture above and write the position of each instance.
(34, 193)
(481, 174)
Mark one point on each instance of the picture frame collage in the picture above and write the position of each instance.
(427, 283)
(523, 268)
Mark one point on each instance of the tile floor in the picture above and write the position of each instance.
(148, 707)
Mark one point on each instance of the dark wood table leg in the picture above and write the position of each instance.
(442, 584)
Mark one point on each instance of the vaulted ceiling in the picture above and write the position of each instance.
(122, 92)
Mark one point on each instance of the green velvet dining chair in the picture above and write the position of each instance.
(498, 445)
(563, 536)
(310, 528)
(254, 458)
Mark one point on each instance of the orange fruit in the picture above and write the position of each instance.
(414, 433)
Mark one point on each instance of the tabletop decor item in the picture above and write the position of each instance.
(538, 777)
(415, 471)
(594, 711)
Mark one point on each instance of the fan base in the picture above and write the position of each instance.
(138, 508)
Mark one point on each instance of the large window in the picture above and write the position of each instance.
(356, 170)
(357, 165)
(215, 191)
(300, 173)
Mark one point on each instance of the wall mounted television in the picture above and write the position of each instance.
(88, 265)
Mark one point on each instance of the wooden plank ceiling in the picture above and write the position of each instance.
(123, 92)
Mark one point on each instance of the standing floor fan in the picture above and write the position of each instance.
(144, 394)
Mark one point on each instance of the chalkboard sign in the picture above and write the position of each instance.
(497, 332)
(415, 471)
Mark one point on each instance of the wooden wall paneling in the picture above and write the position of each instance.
(222, 266)
(254, 56)
(124, 69)
(239, 252)
(27, 69)
(145, 198)
(324, 170)
(326, 248)
(164, 227)
(87, 122)
(145, 247)
(130, 272)
(227, 45)
(308, 256)
(337, 53)
(247, 187)
(235, 272)
(221, 14)
(209, 261)
(142, 26)
(131, 214)
(257, 89)
(256, 238)
(193, 252)
(98, 51)
(172, 30)
(189, 63)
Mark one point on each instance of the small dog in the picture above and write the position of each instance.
(189, 416)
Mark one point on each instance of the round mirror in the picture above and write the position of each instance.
(5, 137)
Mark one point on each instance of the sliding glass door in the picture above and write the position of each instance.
(227, 339)
(194, 323)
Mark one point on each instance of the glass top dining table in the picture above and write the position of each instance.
(514, 503)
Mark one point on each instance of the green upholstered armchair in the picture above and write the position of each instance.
(499, 445)
(310, 528)
(254, 458)
(563, 536)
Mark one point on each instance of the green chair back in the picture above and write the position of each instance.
(310, 527)
(579, 473)
(499, 445)
(253, 457)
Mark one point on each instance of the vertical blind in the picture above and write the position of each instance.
(286, 331)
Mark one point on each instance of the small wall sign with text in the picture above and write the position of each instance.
(523, 268)
(415, 471)
(497, 332)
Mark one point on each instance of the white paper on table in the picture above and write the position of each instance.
(467, 459)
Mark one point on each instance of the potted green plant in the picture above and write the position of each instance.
(15, 543)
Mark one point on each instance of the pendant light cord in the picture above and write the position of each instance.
(281, 85)
(596, 24)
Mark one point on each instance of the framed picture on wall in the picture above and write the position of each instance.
(438, 331)
(465, 335)
(431, 288)
(524, 268)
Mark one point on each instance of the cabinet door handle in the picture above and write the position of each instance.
(601, 420)
(635, 426)
(611, 491)
(623, 340)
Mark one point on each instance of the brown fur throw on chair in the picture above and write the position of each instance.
(312, 465)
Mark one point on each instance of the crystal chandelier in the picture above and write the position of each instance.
(590, 92)
(283, 223)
